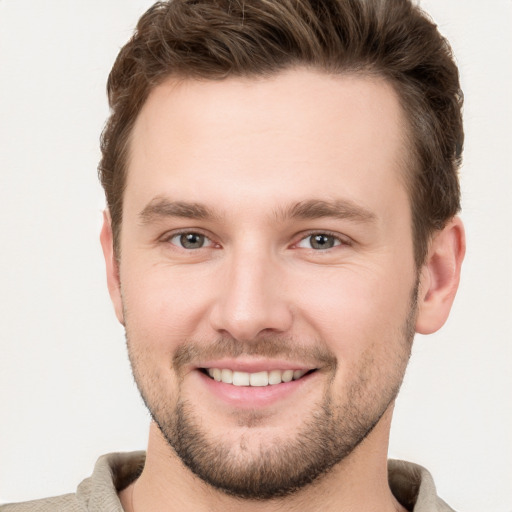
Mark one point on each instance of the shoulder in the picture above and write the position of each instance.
(64, 503)
(96, 493)
(413, 486)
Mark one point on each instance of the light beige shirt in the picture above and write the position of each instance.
(411, 484)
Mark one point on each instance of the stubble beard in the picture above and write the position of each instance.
(280, 467)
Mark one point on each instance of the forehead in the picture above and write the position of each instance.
(296, 133)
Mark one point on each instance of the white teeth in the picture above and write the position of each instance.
(287, 376)
(241, 379)
(264, 378)
(227, 376)
(259, 379)
(274, 377)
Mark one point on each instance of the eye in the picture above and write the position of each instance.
(190, 240)
(319, 241)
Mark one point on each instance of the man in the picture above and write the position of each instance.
(281, 181)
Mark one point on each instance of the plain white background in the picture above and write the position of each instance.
(66, 391)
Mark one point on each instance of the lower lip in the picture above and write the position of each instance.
(251, 397)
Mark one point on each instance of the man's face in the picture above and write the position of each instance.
(267, 233)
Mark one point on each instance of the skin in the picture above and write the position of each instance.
(245, 151)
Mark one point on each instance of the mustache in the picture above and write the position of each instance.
(270, 347)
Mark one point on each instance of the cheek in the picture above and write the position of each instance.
(356, 307)
(163, 306)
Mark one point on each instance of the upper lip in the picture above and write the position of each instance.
(254, 366)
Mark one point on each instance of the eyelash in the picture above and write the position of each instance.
(173, 235)
(338, 240)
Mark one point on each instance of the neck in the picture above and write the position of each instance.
(359, 482)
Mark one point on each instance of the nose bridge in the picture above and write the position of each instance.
(251, 298)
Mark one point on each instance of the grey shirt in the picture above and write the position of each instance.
(411, 484)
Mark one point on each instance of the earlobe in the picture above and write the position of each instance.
(439, 277)
(111, 265)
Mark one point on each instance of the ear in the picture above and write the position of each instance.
(112, 266)
(439, 277)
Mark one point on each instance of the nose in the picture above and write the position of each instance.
(251, 299)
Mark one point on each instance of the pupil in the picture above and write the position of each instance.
(322, 241)
(192, 241)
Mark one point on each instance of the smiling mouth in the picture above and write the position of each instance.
(257, 379)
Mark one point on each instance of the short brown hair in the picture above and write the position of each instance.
(215, 39)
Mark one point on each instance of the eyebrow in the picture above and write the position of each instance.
(317, 209)
(161, 207)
